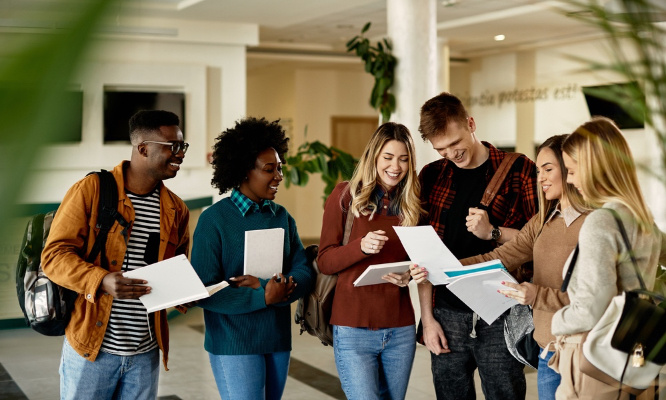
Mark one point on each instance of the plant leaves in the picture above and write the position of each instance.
(365, 27)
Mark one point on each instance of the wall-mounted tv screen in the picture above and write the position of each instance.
(613, 110)
(119, 106)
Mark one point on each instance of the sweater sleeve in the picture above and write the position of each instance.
(207, 260)
(550, 299)
(594, 280)
(333, 256)
(513, 253)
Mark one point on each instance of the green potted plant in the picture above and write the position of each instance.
(381, 64)
(333, 164)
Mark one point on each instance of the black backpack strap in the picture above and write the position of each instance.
(567, 277)
(107, 215)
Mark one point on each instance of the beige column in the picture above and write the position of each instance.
(525, 111)
(412, 27)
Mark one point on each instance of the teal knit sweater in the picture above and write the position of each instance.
(237, 319)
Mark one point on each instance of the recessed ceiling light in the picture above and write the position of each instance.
(499, 38)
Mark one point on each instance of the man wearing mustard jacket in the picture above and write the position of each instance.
(111, 347)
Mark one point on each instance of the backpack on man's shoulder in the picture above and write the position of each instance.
(313, 311)
(47, 307)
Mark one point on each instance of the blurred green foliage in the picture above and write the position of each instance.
(36, 68)
(636, 38)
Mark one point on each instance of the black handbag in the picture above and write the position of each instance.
(641, 330)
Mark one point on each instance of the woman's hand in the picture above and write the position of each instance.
(373, 242)
(525, 293)
(401, 280)
(278, 291)
(419, 274)
(246, 281)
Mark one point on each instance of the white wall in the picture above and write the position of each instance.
(207, 63)
(558, 105)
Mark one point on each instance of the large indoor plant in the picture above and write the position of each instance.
(381, 64)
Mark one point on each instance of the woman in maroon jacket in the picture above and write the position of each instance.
(373, 326)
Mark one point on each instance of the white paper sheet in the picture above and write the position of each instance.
(478, 291)
(426, 249)
(263, 252)
(173, 282)
(373, 274)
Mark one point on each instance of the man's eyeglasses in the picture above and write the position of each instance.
(176, 147)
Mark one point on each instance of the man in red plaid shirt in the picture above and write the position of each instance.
(451, 191)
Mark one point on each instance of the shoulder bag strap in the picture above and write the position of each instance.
(348, 227)
(627, 244)
(567, 277)
(498, 178)
(348, 223)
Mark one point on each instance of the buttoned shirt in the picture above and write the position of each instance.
(514, 204)
(245, 205)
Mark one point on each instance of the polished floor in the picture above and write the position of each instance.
(29, 367)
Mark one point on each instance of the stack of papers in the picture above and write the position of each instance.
(173, 282)
(476, 285)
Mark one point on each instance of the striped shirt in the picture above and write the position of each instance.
(129, 330)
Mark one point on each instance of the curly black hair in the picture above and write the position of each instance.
(236, 150)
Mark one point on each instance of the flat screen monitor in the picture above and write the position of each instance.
(610, 109)
(119, 106)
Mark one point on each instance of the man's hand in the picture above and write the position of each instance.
(119, 287)
(479, 224)
(434, 339)
(278, 291)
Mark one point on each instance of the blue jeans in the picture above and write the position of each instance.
(547, 379)
(109, 376)
(251, 376)
(374, 364)
(502, 376)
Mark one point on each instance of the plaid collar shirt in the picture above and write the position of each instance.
(514, 204)
(245, 205)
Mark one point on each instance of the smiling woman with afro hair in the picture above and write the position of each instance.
(236, 150)
(248, 325)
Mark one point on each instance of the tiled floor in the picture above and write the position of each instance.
(29, 367)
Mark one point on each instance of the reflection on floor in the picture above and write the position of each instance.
(29, 367)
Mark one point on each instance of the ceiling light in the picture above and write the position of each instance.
(499, 38)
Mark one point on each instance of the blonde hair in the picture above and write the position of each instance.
(607, 169)
(365, 179)
(569, 192)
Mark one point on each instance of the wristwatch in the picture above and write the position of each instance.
(495, 234)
